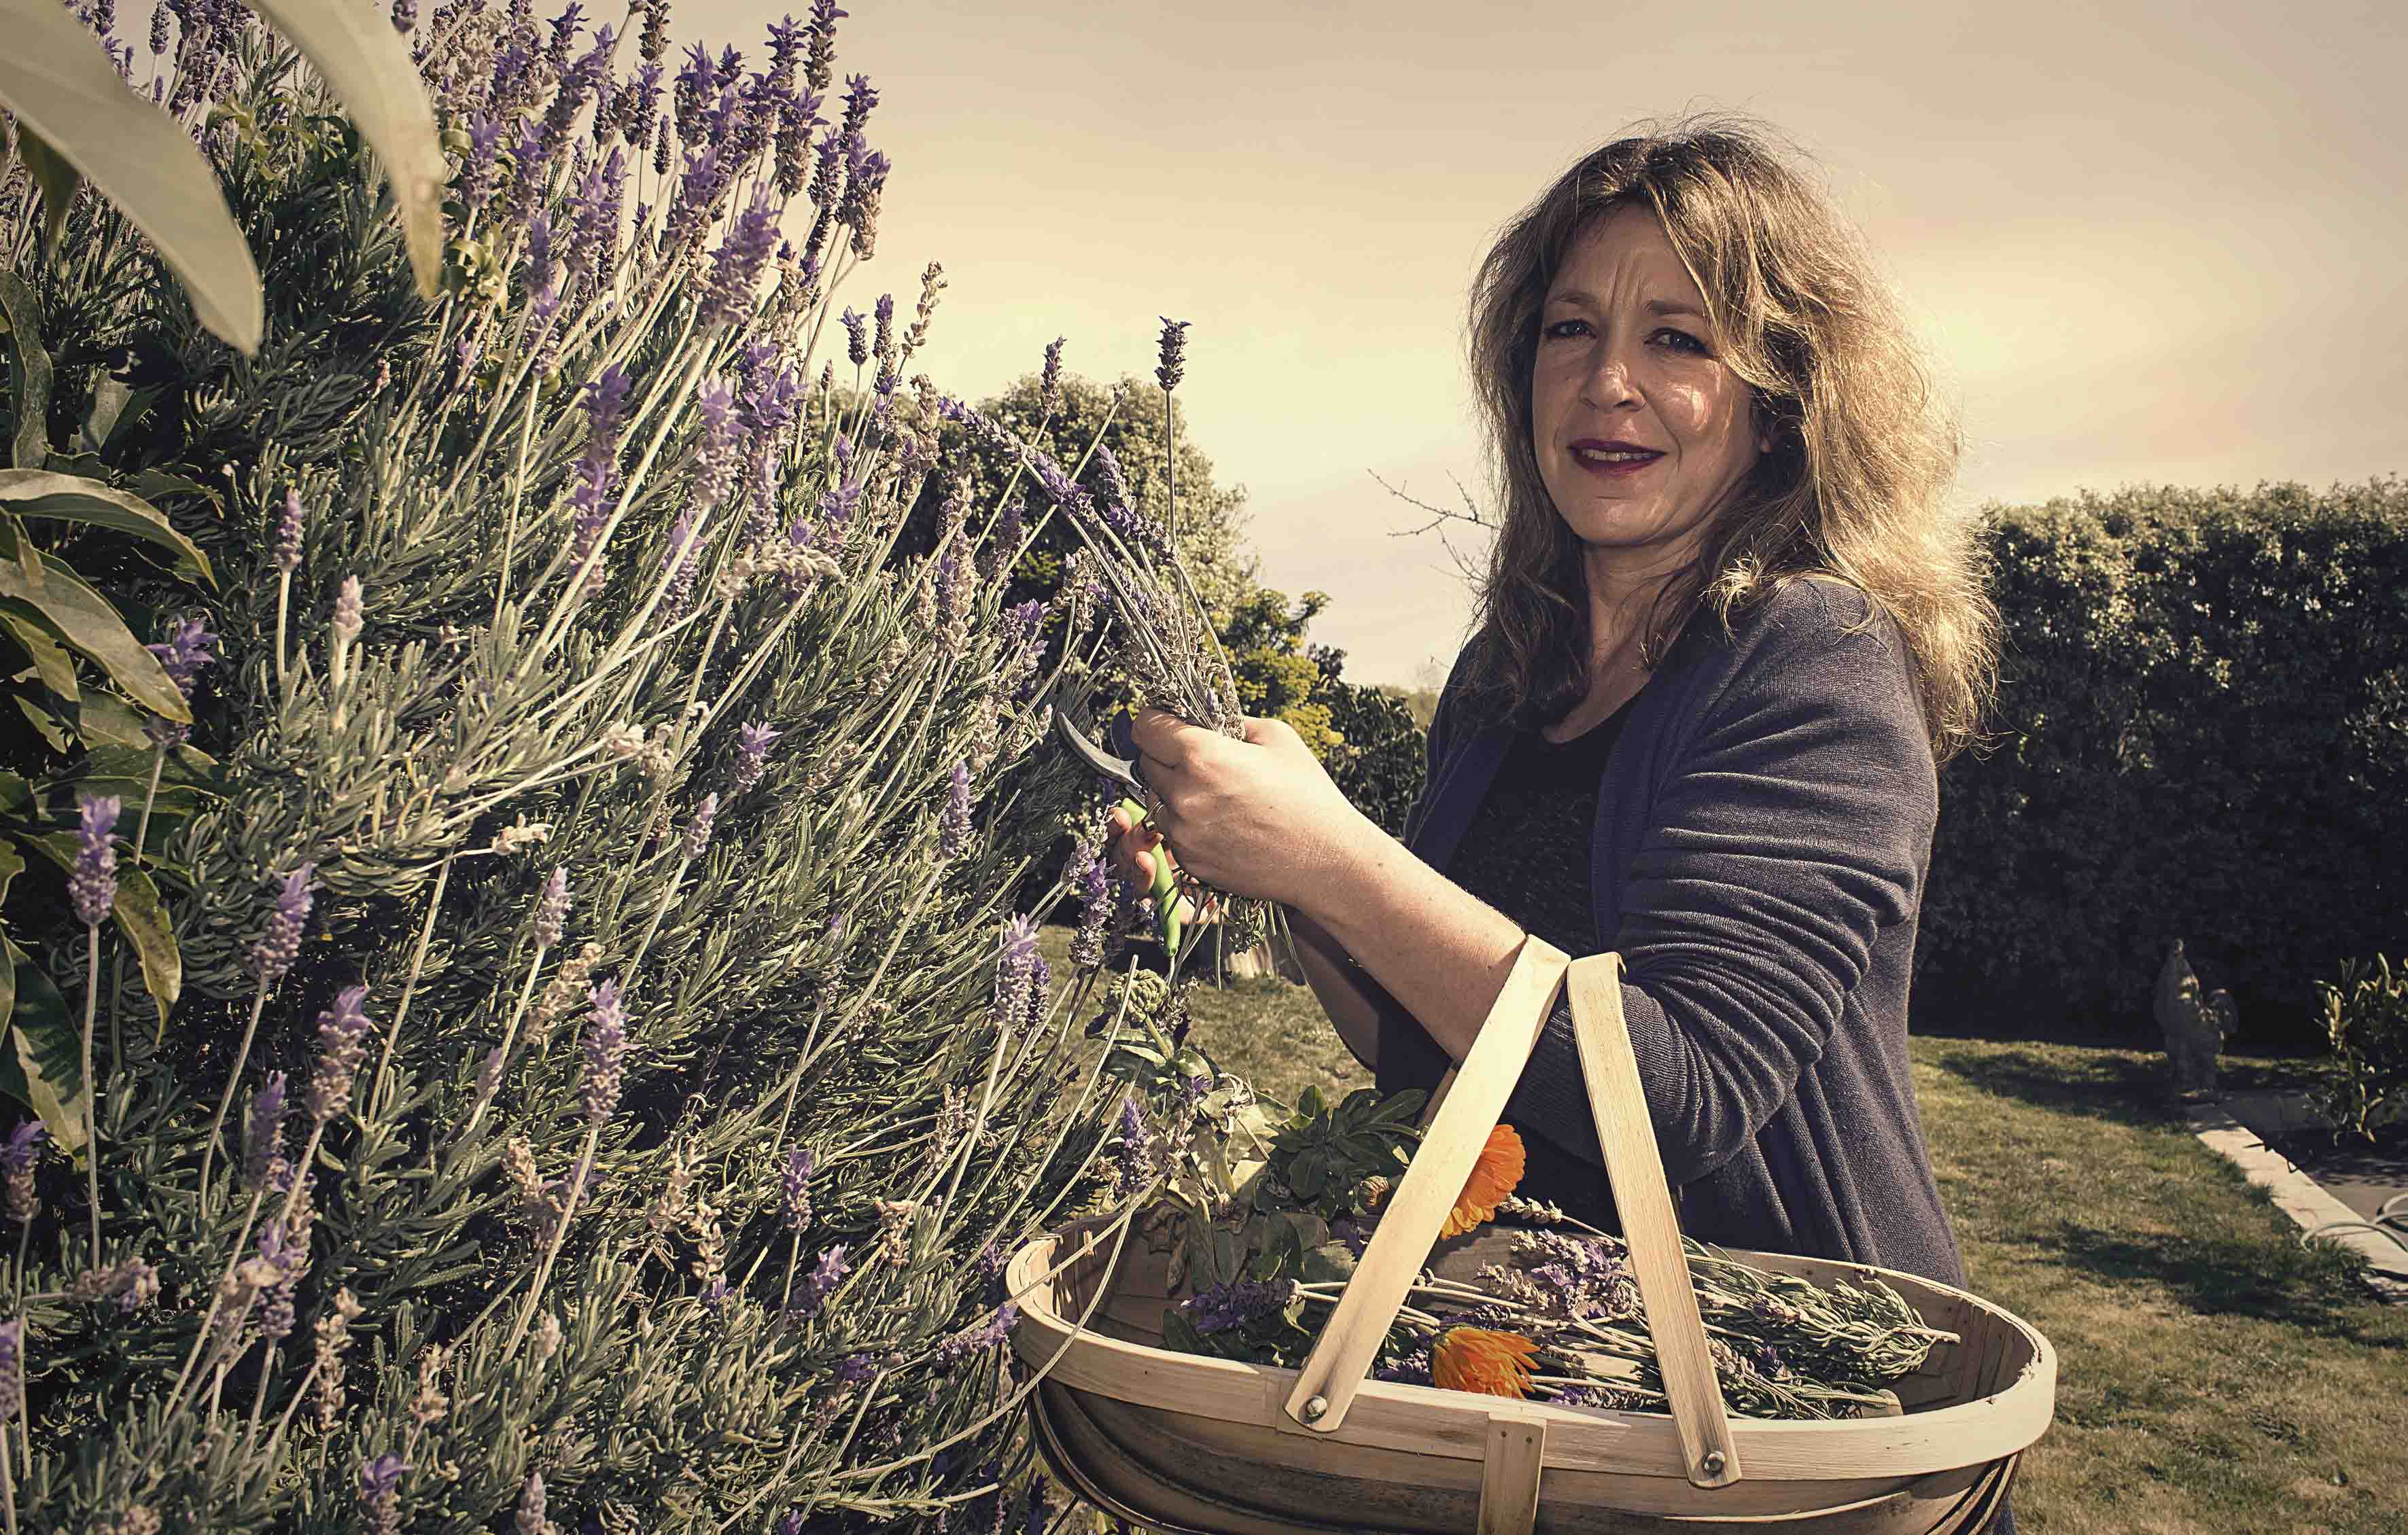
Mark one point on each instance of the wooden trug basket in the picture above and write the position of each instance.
(1188, 1443)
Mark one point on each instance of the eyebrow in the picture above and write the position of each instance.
(1654, 306)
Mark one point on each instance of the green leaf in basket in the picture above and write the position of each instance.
(1181, 1334)
(1331, 1260)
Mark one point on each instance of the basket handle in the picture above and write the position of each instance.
(1471, 1103)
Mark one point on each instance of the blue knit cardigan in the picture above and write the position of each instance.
(1763, 828)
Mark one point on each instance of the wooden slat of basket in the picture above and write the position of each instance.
(1188, 1473)
(1434, 1422)
(1423, 1198)
(1634, 1170)
(1509, 1477)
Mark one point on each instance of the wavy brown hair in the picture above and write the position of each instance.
(1862, 451)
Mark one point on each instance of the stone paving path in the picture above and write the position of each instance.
(2326, 1183)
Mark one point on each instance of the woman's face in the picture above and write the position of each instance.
(1626, 361)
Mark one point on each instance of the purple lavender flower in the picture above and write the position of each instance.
(606, 1052)
(1411, 1368)
(797, 1189)
(597, 469)
(477, 166)
(1013, 969)
(1116, 486)
(159, 29)
(342, 1043)
(678, 567)
(92, 886)
(884, 309)
(854, 1368)
(953, 831)
(1041, 979)
(290, 535)
(552, 911)
(821, 1283)
(12, 1368)
(593, 227)
(1220, 1308)
(1009, 528)
(263, 1134)
(23, 1149)
(1133, 1159)
(1174, 345)
(822, 42)
(753, 753)
(1049, 382)
(655, 41)
(276, 948)
(642, 95)
(697, 830)
(978, 1339)
(405, 16)
(183, 654)
(858, 209)
(715, 463)
(380, 1477)
(798, 115)
(289, 1256)
(856, 337)
(1099, 901)
(736, 266)
(563, 34)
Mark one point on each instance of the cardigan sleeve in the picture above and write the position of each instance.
(1793, 831)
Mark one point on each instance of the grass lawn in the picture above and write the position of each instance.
(2215, 1377)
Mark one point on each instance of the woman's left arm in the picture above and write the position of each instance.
(1794, 830)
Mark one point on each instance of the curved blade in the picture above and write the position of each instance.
(1072, 728)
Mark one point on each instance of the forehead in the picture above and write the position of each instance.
(1622, 253)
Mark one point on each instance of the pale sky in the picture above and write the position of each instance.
(2140, 242)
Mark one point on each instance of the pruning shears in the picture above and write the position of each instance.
(1072, 723)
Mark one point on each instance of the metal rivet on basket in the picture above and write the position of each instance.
(1314, 1407)
(1712, 1464)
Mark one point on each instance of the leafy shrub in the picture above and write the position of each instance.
(2366, 1018)
(2200, 731)
(596, 1082)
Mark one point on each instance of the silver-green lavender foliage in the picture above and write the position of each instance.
(569, 832)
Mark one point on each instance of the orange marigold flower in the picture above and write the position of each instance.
(1492, 1177)
(1479, 1359)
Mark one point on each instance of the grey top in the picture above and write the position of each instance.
(1759, 831)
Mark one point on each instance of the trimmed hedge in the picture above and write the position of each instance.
(2201, 732)
(1381, 765)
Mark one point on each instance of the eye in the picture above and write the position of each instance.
(1683, 336)
(1551, 331)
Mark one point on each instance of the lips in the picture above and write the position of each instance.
(1581, 450)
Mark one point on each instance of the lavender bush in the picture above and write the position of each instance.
(592, 1081)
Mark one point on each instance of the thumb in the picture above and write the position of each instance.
(1263, 731)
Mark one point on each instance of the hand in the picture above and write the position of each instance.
(1133, 849)
(1258, 817)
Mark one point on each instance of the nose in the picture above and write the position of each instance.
(1608, 383)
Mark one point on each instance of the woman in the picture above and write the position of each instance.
(1726, 634)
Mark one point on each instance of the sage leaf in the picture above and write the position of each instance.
(57, 78)
(83, 618)
(365, 61)
(37, 492)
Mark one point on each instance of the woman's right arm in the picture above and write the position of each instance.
(1341, 986)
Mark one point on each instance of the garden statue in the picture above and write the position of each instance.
(2195, 1026)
